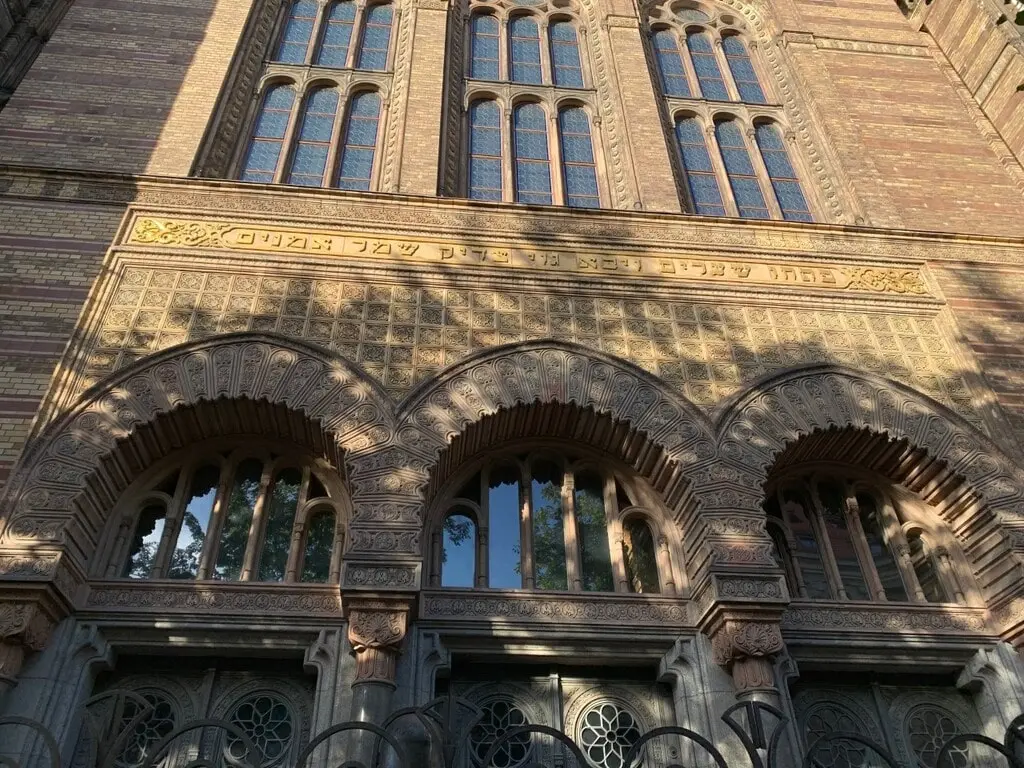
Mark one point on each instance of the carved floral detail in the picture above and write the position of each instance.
(632, 611)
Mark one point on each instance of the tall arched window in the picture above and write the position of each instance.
(336, 39)
(485, 175)
(841, 538)
(297, 32)
(264, 155)
(373, 49)
(550, 522)
(700, 47)
(548, 150)
(316, 126)
(355, 167)
(241, 513)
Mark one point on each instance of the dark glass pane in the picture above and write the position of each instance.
(640, 557)
(808, 552)
(702, 53)
(458, 554)
(548, 530)
(784, 181)
(373, 53)
(316, 488)
(195, 523)
(924, 568)
(670, 64)
(264, 151)
(485, 176)
(297, 30)
(745, 186)
(592, 530)
(578, 167)
(700, 173)
(504, 550)
(742, 70)
(145, 542)
(280, 516)
(238, 520)
(316, 562)
(484, 45)
(533, 171)
(885, 563)
(337, 35)
(314, 138)
(833, 511)
(525, 50)
(565, 56)
(356, 165)
(692, 14)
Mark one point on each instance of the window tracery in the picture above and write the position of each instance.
(549, 521)
(530, 131)
(712, 87)
(839, 536)
(323, 96)
(239, 513)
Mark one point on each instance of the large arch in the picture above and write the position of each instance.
(40, 503)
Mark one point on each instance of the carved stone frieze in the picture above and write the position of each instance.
(374, 540)
(222, 599)
(632, 611)
(356, 575)
(897, 619)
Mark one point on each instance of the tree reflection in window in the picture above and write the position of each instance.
(316, 560)
(592, 529)
(640, 557)
(504, 547)
(148, 532)
(282, 501)
(238, 520)
(548, 528)
(195, 523)
(458, 566)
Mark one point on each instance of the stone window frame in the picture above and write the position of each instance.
(227, 455)
(721, 23)
(646, 505)
(303, 78)
(551, 98)
(902, 514)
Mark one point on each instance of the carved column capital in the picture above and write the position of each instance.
(746, 647)
(376, 629)
(24, 627)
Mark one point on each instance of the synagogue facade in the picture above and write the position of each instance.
(455, 366)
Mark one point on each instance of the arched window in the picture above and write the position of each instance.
(566, 68)
(243, 514)
(297, 32)
(578, 167)
(530, 148)
(316, 126)
(838, 538)
(705, 65)
(485, 176)
(373, 49)
(785, 184)
(355, 167)
(264, 154)
(742, 70)
(746, 188)
(700, 173)
(524, 50)
(484, 46)
(547, 522)
(337, 35)
(670, 65)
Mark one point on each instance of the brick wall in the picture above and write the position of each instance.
(50, 254)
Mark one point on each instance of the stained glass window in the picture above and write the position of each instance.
(784, 181)
(670, 65)
(309, 160)
(532, 167)
(565, 55)
(297, 32)
(373, 51)
(355, 166)
(709, 75)
(692, 14)
(578, 166)
(264, 152)
(700, 173)
(745, 186)
(742, 70)
(485, 151)
(525, 50)
(337, 35)
(483, 47)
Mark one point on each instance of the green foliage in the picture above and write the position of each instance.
(185, 560)
(549, 540)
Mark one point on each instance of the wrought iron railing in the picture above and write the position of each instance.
(118, 731)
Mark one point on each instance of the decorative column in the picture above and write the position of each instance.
(24, 627)
(746, 648)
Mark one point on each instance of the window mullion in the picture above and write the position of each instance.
(547, 73)
(483, 531)
(825, 543)
(378, 148)
(860, 542)
(331, 169)
(900, 547)
(947, 574)
(693, 84)
(573, 564)
(250, 561)
(172, 523)
(555, 153)
(323, 7)
(508, 179)
(794, 561)
(724, 68)
(526, 527)
(208, 556)
(763, 179)
(355, 41)
(337, 546)
(615, 534)
(287, 143)
(724, 184)
(504, 44)
(298, 528)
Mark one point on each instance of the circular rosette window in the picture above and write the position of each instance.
(499, 717)
(267, 721)
(928, 728)
(607, 731)
(152, 724)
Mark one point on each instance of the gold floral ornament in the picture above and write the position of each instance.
(189, 233)
(903, 281)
